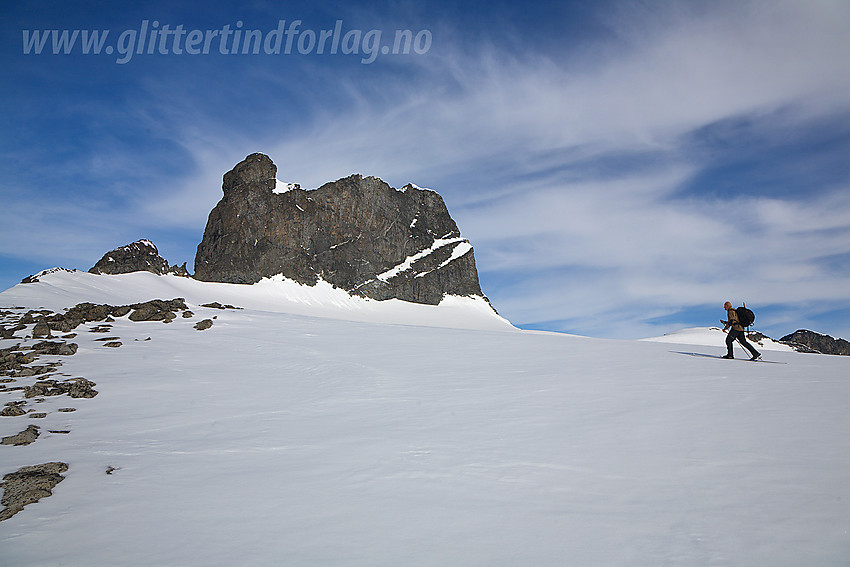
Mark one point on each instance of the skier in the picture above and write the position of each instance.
(736, 333)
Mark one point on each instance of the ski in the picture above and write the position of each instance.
(702, 354)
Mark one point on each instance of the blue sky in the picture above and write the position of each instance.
(621, 168)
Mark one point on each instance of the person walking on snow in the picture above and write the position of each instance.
(736, 333)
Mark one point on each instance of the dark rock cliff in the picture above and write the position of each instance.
(357, 233)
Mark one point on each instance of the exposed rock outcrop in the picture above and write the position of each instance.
(28, 485)
(217, 305)
(357, 233)
(157, 310)
(809, 341)
(41, 330)
(25, 437)
(55, 348)
(153, 310)
(13, 409)
(139, 256)
(75, 388)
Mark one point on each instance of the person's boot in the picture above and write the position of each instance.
(756, 356)
(728, 356)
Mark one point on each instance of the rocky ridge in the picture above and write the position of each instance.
(804, 340)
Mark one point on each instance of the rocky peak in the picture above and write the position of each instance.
(139, 256)
(257, 171)
(357, 233)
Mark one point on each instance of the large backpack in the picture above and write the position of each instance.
(745, 316)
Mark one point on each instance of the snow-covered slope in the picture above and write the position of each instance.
(712, 336)
(276, 438)
(56, 289)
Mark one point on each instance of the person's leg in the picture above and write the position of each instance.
(744, 343)
(730, 340)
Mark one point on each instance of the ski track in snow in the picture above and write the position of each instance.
(277, 438)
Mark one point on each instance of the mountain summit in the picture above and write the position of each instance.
(356, 233)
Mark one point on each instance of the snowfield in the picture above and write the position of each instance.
(277, 437)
